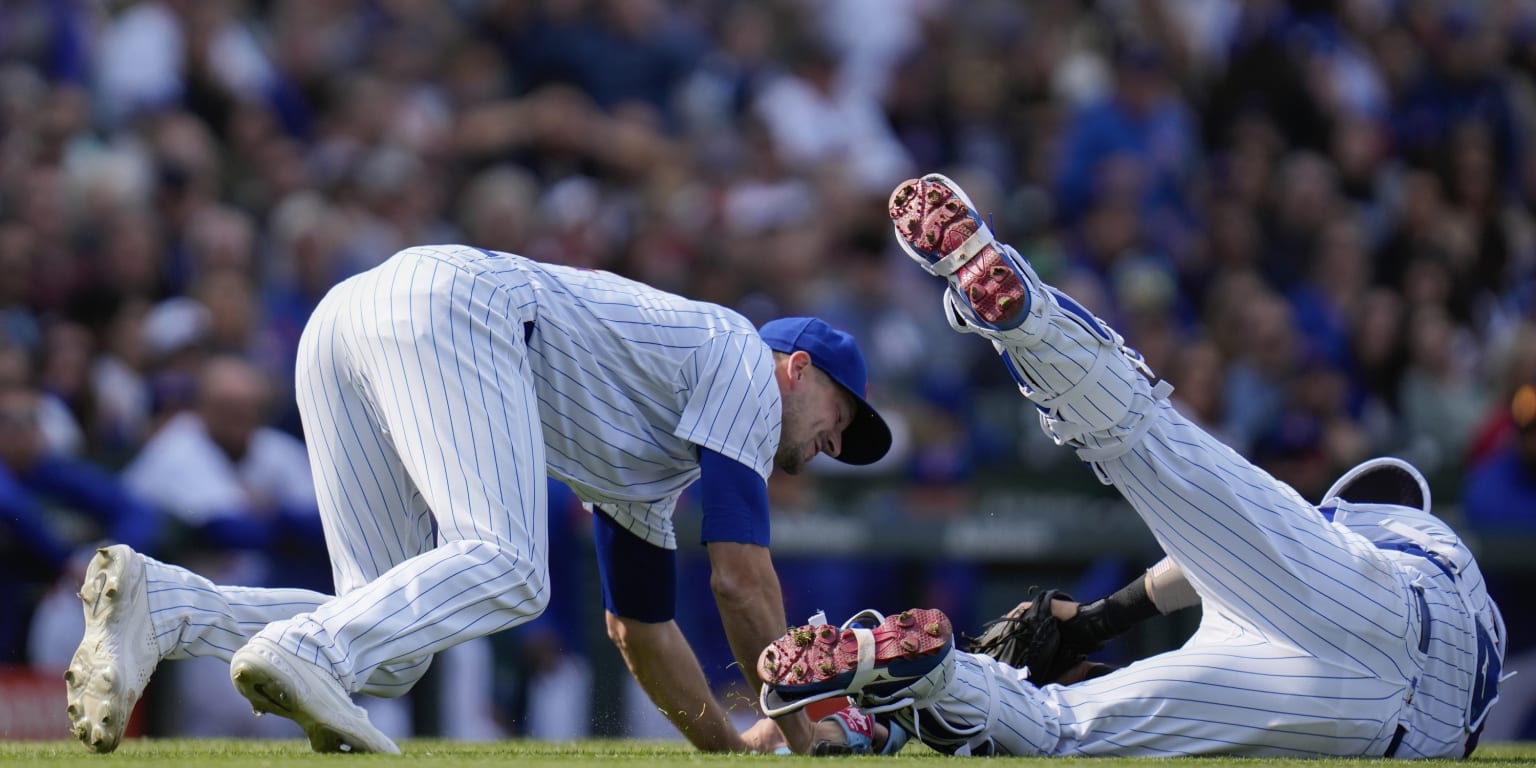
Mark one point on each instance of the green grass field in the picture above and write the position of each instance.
(527, 754)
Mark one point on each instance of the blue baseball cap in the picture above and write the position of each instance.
(867, 438)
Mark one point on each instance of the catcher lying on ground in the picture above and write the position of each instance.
(1356, 627)
(1049, 638)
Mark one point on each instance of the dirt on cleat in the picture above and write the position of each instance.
(930, 217)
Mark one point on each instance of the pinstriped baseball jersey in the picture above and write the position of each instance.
(631, 379)
(437, 391)
(1344, 636)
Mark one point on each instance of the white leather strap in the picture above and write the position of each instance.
(865, 672)
(1160, 392)
(978, 240)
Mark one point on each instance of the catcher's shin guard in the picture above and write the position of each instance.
(1093, 392)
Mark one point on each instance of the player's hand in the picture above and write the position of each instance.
(1033, 636)
(1061, 609)
(765, 737)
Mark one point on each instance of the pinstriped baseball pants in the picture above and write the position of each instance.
(1309, 642)
(423, 431)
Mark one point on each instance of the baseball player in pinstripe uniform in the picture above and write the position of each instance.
(1358, 627)
(437, 391)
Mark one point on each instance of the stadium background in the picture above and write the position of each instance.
(1314, 217)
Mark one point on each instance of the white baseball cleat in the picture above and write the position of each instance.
(277, 681)
(108, 673)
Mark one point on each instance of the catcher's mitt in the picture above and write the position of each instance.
(1032, 638)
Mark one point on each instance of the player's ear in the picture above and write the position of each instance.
(799, 365)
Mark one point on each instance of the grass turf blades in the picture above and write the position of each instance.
(231, 753)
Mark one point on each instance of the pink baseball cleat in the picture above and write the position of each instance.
(877, 666)
(938, 226)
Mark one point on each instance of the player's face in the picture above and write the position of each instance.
(816, 412)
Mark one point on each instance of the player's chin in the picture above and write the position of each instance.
(790, 462)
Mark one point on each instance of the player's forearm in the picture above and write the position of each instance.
(751, 606)
(1161, 590)
(662, 662)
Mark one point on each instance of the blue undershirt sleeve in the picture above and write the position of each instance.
(639, 579)
(735, 501)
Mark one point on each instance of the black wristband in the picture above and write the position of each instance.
(1104, 619)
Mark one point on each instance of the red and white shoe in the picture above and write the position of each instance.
(907, 657)
(938, 226)
(992, 289)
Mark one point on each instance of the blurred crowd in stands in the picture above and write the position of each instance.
(1314, 217)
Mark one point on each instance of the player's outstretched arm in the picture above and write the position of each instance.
(663, 663)
(1052, 635)
(751, 606)
(1158, 592)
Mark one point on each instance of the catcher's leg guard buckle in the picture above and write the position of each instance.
(815, 663)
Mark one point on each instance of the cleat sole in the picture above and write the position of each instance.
(796, 670)
(934, 221)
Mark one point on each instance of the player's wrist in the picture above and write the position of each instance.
(1109, 617)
